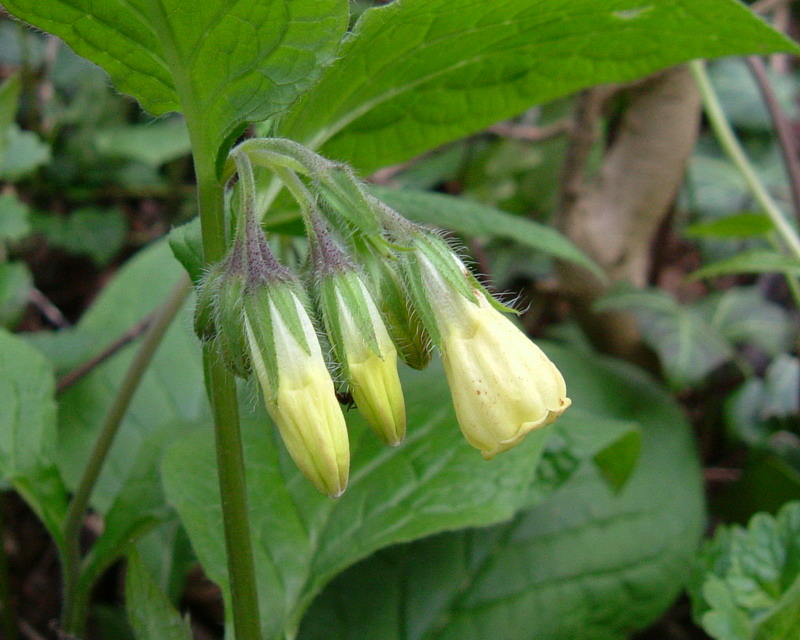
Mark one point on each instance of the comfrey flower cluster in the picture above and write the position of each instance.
(377, 287)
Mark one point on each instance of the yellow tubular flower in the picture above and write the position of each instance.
(503, 385)
(373, 377)
(304, 406)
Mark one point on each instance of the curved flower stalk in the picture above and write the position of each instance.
(503, 385)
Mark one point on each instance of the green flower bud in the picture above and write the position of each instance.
(367, 354)
(298, 389)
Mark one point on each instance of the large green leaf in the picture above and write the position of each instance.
(475, 219)
(434, 481)
(417, 73)
(221, 62)
(28, 431)
(586, 563)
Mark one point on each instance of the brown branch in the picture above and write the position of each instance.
(126, 338)
(615, 217)
(767, 6)
(50, 311)
(783, 129)
(583, 136)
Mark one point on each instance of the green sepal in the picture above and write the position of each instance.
(231, 340)
(341, 189)
(328, 305)
(502, 308)
(205, 307)
(402, 322)
(258, 312)
(442, 258)
(414, 280)
(339, 292)
(284, 296)
(261, 305)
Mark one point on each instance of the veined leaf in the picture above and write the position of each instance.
(747, 583)
(417, 73)
(220, 62)
(433, 481)
(475, 219)
(585, 563)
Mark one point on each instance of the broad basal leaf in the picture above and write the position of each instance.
(586, 563)
(221, 62)
(432, 482)
(417, 73)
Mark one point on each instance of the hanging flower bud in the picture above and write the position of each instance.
(359, 338)
(503, 386)
(366, 352)
(297, 386)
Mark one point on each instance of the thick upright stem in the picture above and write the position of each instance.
(73, 615)
(224, 404)
(728, 141)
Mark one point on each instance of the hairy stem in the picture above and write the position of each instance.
(225, 407)
(730, 144)
(73, 616)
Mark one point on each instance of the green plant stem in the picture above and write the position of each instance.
(73, 617)
(730, 144)
(224, 404)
